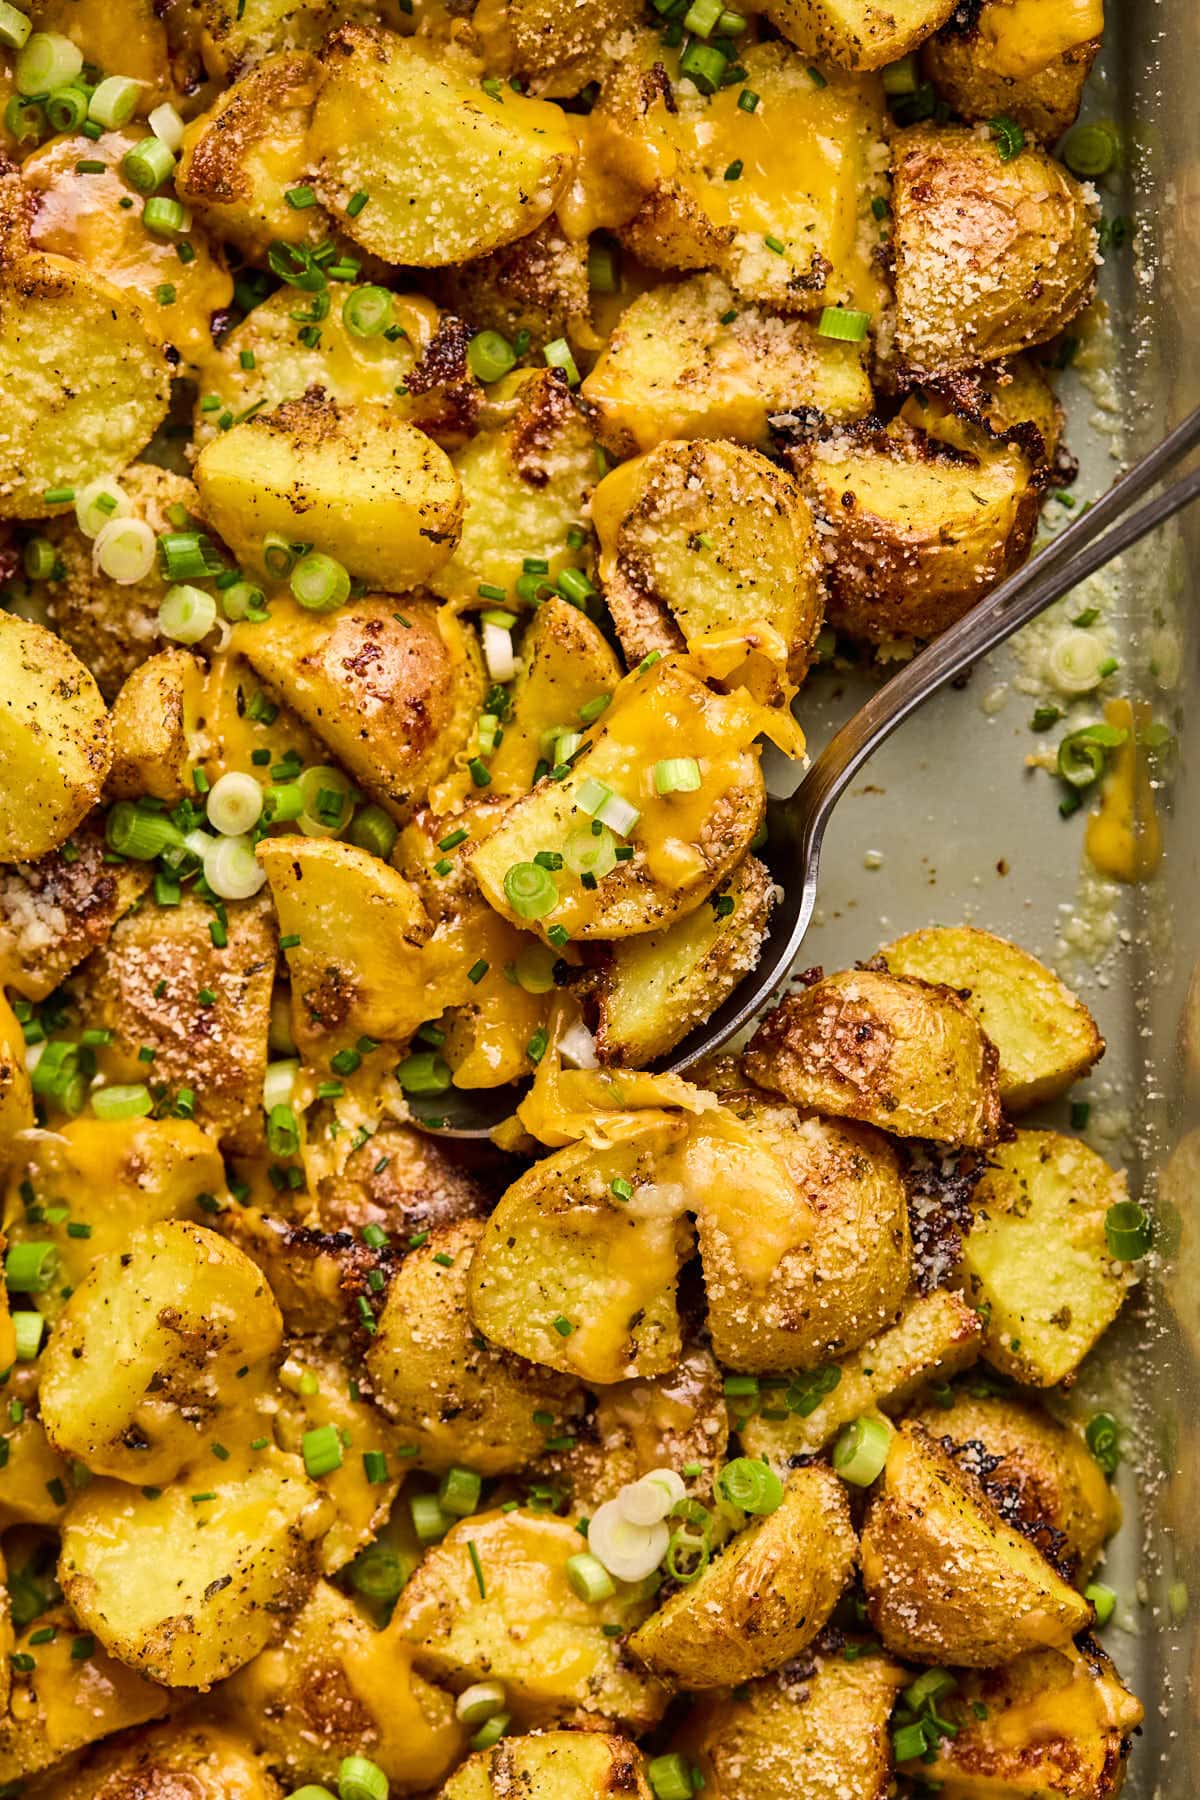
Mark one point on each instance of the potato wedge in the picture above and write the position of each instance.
(392, 689)
(710, 539)
(684, 843)
(1037, 1260)
(453, 1399)
(555, 1765)
(186, 1590)
(16, 1093)
(150, 1350)
(655, 988)
(764, 1597)
(155, 721)
(336, 1687)
(539, 284)
(211, 1761)
(677, 367)
(566, 664)
(53, 911)
(991, 257)
(1045, 1035)
(87, 383)
(815, 1731)
(1054, 1722)
(562, 1244)
(803, 1233)
(1010, 400)
(528, 1629)
(1025, 59)
(935, 1336)
(55, 740)
(917, 532)
(362, 486)
(858, 34)
(946, 1579)
(906, 1055)
(452, 172)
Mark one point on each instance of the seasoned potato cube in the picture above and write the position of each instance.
(86, 382)
(917, 532)
(16, 1093)
(710, 539)
(184, 1587)
(538, 285)
(393, 690)
(1056, 1722)
(906, 1055)
(666, 1421)
(563, 1244)
(336, 1687)
(239, 159)
(65, 1701)
(655, 988)
(528, 1628)
(566, 664)
(145, 985)
(1025, 59)
(1011, 400)
(53, 911)
(209, 1762)
(818, 1730)
(1046, 1037)
(935, 1336)
(859, 34)
(555, 1765)
(686, 361)
(364, 487)
(764, 1597)
(1045, 1477)
(146, 1355)
(946, 1579)
(450, 171)
(155, 721)
(55, 740)
(1037, 1259)
(683, 842)
(990, 257)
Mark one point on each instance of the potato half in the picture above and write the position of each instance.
(55, 740)
(554, 1765)
(1026, 60)
(212, 1762)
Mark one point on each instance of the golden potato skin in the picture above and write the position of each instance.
(946, 1579)
(858, 34)
(764, 1597)
(1025, 59)
(55, 740)
(555, 1765)
(902, 1054)
(188, 1760)
(991, 257)
(155, 719)
(1010, 401)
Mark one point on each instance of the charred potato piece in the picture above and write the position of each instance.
(55, 910)
(858, 34)
(1027, 60)
(555, 1765)
(1045, 1035)
(566, 666)
(906, 1055)
(55, 741)
(685, 361)
(655, 988)
(709, 539)
(1009, 400)
(315, 1276)
(211, 1762)
(87, 382)
(947, 1580)
(764, 1597)
(16, 1092)
(454, 1399)
(537, 285)
(393, 690)
(366, 488)
(1037, 1256)
(991, 257)
(155, 721)
(528, 1629)
(452, 172)
(336, 1687)
(404, 1181)
(563, 1244)
(665, 1421)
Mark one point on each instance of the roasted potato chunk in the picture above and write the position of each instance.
(393, 690)
(185, 1587)
(528, 1629)
(946, 1579)
(906, 1055)
(707, 539)
(1024, 59)
(563, 1244)
(808, 1732)
(336, 1687)
(402, 1180)
(452, 172)
(55, 740)
(917, 532)
(237, 34)
(16, 1094)
(1009, 400)
(991, 257)
(87, 382)
(764, 1597)
(1045, 1035)
(53, 911)
(666, 1421)
(655, 988)
(859, 34)
(211, 1762)
(315, 1276)
(538, 284)
(566, 665)
(1037, 1258)
(555, 1765)
(155, 721)
(453, 1398)
(365, 487)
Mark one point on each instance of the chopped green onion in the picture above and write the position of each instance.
(24, 119)
(283, 1131)
(321, 1449)
(459, 1492)
(861, 1451)
(489, 356)
(1101, 1436)
(703, 65)
(368, 311)
(131, 831)
(1103, 1599)
(423, 1073)
(491, 1732)
(558, 356)
(604, 277)
(47, 61)
(600, 802)
(242, 600)
(373, 830)
(677, 775)
(147, 164)
(167, 125)
(132, 1101)
(361, 1779)
(162, 216)
(320, 583)
(1082, 754)
(114, 101)
(15, 27)
(750, 1485)
(28, 1328)
(480, 1702)
(1090, 150)
(588, 852)
(429, 1521)
(67, 108)
(701, 17)
(589, 1578)
(530, 891)
(574, 585)
(29, 1268)
(1010, 139)
(187, 614)
(278, 557)
(843, 323)
(39, 558)
(234, 803)
(1128, 1231)
(670, 1777)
